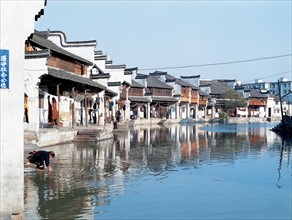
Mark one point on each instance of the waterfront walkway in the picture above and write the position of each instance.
(54, 136)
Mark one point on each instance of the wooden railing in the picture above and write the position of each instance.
(136, 92)
(161, 92)
(184, 99)
(67, 65)
(202, 102)
(257, 102)
(194, 100)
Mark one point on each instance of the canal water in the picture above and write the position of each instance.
(198, 171)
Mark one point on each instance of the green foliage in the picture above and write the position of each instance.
(233, 100)
(223, 115)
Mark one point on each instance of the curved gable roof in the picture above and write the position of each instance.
(154, 82)
(40, 39)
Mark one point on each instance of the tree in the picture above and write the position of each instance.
(233, 100)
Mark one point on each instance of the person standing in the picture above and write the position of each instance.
(26, 111)
(114, 119)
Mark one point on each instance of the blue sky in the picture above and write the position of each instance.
(155, 34)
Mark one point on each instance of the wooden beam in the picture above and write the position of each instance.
(59, 112)
(73, 107)
(86, 107)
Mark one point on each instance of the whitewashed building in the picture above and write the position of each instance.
(17, 20)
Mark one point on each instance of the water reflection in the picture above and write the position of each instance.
(88, 179)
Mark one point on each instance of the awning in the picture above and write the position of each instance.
(110, 93)
(67, 81)
(164, 99)
(138, 99)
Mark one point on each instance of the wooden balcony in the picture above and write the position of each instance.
(161, 92)
(136, 91)
(185, 99)
(194, 100)
(202, 102)
(66, 65)
(257, 102)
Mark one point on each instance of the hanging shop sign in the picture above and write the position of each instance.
(4, 69)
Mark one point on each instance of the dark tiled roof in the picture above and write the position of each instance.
(132, 69)
(138, 99)
(163, 99)
(100, 76)
(158, 73)
(156, 83)
(190, 77)
(69, 43)
(126, 83)
(219, 88)
(100, 57)
(141, 76)
(118, 83)
(202, 93)
(98, 52)
(37, 54)
(61, 74)
(110, 93)
(180, 81)
(205, 82)
(122, 66)
(254, 93)
(127, 72)
(136, 84)
(41, 40)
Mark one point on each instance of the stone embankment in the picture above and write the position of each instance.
(92, 133)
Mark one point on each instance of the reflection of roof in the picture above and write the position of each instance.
(61, 74)
(41, 40)
(138, 99)
(154, 82)
(163, 99)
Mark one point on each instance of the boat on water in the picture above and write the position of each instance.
(285, 126)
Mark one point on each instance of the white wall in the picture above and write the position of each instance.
(33, 69)
(17, 19)
(84, 50)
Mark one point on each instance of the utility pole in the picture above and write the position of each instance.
(280, 96)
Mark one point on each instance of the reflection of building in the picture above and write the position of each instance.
(90, 175)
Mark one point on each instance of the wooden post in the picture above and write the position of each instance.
(280, 97)
(85, 106)
(59, 99)
(98, 112)
(73, 108)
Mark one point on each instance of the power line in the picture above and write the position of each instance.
(264, 77)
(217, 64)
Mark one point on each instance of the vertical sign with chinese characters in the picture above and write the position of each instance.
(4, 69)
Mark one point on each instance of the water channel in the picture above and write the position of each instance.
(197, 171)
